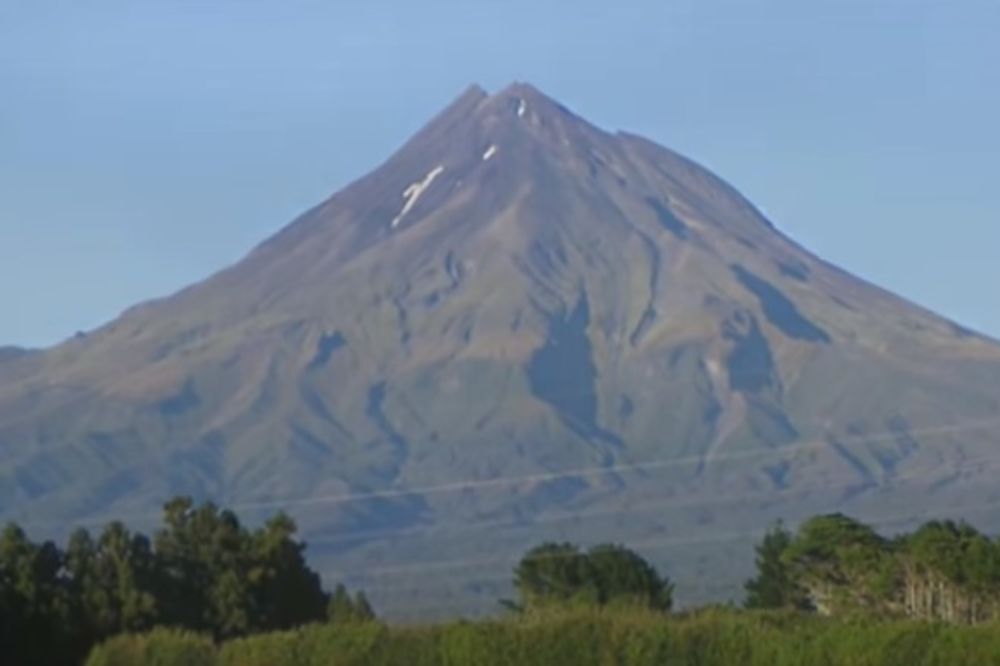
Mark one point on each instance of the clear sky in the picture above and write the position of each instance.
(144, 145)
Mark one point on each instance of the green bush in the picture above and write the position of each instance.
(348, 644)
(583, 637)
(161, 647)
(273, 649)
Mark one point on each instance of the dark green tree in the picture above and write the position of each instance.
(35, 603)
(774, 585)
(205, 559)
(230, 581)
(183, 580)
(622, 577)
(560, 573)
(204, 572)
(553, 573)
(287, 592)
(113, 581)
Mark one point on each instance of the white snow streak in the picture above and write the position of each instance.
(490, 152)
(521, 108)
(413, 192)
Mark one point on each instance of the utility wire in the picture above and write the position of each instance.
(592, 471)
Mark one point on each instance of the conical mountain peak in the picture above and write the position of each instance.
(527, 97)
(516, 106)
(512, 94)
(521, 316)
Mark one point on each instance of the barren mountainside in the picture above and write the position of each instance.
(520, 327)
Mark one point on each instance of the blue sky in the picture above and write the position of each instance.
(144, 145)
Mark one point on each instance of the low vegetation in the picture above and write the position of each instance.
(584, 637)
(207, 591)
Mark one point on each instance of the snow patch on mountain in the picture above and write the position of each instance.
(413, 192)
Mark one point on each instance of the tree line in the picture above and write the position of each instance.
(205, 573)
(202, 571)
(835, 565)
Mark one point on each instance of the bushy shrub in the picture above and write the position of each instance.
(583, 637)
(274, 649)
(347, 644)
(161, 647)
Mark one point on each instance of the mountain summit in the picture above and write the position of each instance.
(519, 327)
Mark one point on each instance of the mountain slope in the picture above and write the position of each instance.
(519, 327)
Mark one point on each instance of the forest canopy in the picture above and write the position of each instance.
(836, 565)
(203, 571)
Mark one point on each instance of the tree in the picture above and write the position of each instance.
(342, 609)
(952, 573)
(230, 581)
(35, 602)
(774, 586)
(559, 574)
(113, 581)
(553, 573)
(183, 581)
(844, 566)
(287, 592)
(204, 557)
(363, 607)
(203, 572)
(621, 577)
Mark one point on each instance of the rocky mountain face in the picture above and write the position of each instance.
(519, 328)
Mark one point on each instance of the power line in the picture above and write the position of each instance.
(629, 509)
(593, 471)
(474, 484)
(648, 545)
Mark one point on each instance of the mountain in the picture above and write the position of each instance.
(520, 327)
(7, 353)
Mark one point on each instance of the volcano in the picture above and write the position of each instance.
(519, 328)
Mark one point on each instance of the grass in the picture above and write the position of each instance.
(583, 637)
